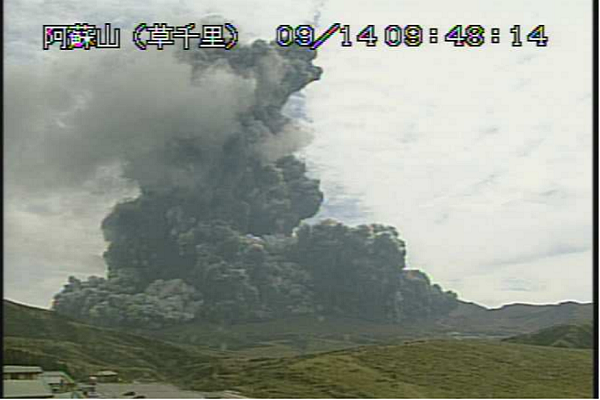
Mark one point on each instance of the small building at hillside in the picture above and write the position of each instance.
(24, 382)
(22, 372)
(26, 389)
(106, 376)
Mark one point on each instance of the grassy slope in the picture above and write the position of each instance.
(570, 336)
(41, 337)
(288, 337)
(438, 368)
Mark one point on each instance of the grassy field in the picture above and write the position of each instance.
(433, 369)
(289, 336)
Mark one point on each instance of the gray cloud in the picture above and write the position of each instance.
(77, 125)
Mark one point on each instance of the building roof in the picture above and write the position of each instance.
(19, 389)
(54, 380)
(106, 373)
(56, 377)
(55, 373)
(22, 369)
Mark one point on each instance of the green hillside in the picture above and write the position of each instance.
(570, 336)
(430, 369)
(290, 336)
(41, 337)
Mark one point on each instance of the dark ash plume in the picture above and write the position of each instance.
(211, 234)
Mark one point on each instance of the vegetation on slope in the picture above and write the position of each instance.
(513, 319)
(424, 369)
(570, 336)
(41, 337)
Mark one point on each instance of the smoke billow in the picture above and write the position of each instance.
(215, 233)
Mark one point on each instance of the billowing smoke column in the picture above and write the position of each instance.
(215, 233)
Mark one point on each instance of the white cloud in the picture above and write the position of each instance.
(478, 156)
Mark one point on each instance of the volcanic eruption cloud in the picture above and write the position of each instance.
(215, 232)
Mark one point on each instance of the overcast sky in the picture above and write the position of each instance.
(481, 157)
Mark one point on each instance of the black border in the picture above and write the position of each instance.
(595, 186)
(2, 191)
(595, 143)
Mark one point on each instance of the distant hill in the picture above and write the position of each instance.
(42, 337)
(301, 335)
(423, 369)
(570, 336)
(516, 318)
